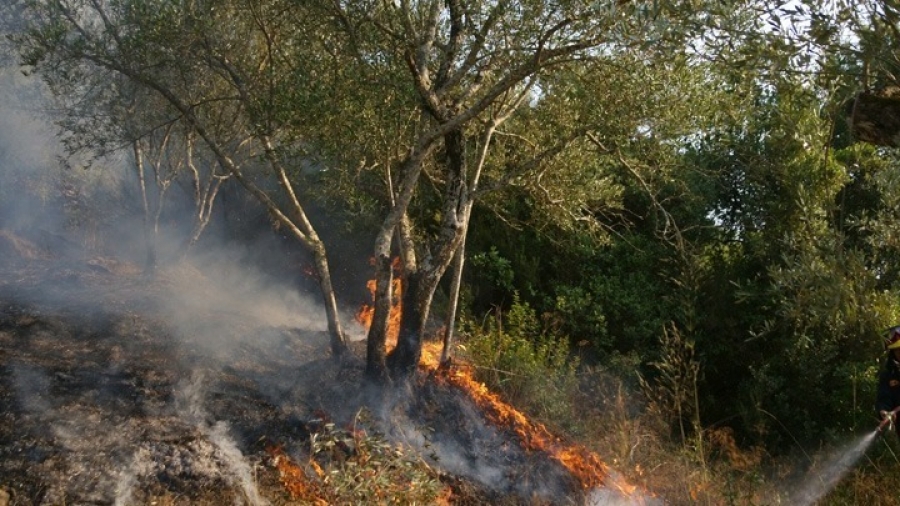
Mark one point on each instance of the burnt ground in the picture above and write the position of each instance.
(115, 389)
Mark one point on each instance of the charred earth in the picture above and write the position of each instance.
(187, 389)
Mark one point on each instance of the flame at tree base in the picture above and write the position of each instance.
(598, 482)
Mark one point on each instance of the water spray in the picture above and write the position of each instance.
(833, 469)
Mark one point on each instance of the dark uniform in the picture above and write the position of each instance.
(888, 386)
(888, 398)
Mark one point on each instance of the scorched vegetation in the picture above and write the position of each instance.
(447, 251)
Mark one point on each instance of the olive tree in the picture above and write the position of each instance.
(472, 66)
(216, 66)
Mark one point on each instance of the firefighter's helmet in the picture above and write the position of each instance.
(892, 340)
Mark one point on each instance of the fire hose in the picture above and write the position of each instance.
(889, 417)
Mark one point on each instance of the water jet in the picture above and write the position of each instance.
(824, 477)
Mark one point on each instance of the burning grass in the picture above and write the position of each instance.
(185, 410)
(585, 466)
(587, 469)
(294, 479)
(353, 466)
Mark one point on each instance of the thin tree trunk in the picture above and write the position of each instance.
(335, 330)
(204, 211)
(204, 195)
(149, 238)
(467, 204)
(459, 260)
(302, 229)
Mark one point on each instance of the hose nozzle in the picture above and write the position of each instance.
(887, 420)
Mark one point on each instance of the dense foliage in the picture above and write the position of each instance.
(664, 191)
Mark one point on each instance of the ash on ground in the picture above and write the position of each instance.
(115, 390)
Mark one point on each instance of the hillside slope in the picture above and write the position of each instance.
(191, 389)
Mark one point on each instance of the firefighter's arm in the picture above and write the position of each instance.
(883, 397)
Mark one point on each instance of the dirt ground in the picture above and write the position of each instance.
(115, 389)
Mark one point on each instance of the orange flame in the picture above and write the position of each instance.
(584, 465)
(367, 311)
(294, 479)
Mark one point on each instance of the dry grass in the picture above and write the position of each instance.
(635, 436)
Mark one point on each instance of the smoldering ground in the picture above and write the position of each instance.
(104, 395)
(112, 396)
(116, 389)
(120, 389)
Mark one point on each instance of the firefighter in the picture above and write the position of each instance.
(888, 399)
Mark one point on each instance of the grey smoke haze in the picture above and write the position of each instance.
(210, 300)
(78, 429)
(211, 305)
(42, 191)
(28, 151)
(98, 209)
(32, 174)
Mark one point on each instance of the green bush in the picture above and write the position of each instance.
(358, 467)
(530, 368)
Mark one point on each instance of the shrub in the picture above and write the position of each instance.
(354, 466)
(531, 369)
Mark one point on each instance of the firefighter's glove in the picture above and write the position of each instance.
(887, 415)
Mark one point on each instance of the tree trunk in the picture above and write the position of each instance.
(303, 230)
(405, 357)
(417, 296)
(467, 204)
(376, 368)
(411, 168)
(459, 261)
(423, 282)
(335, 331)
(149, 236)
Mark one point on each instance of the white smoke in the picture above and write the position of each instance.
(76, 428)
(189, 404)
(125, 484)
(240, 470)
(611, 494)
